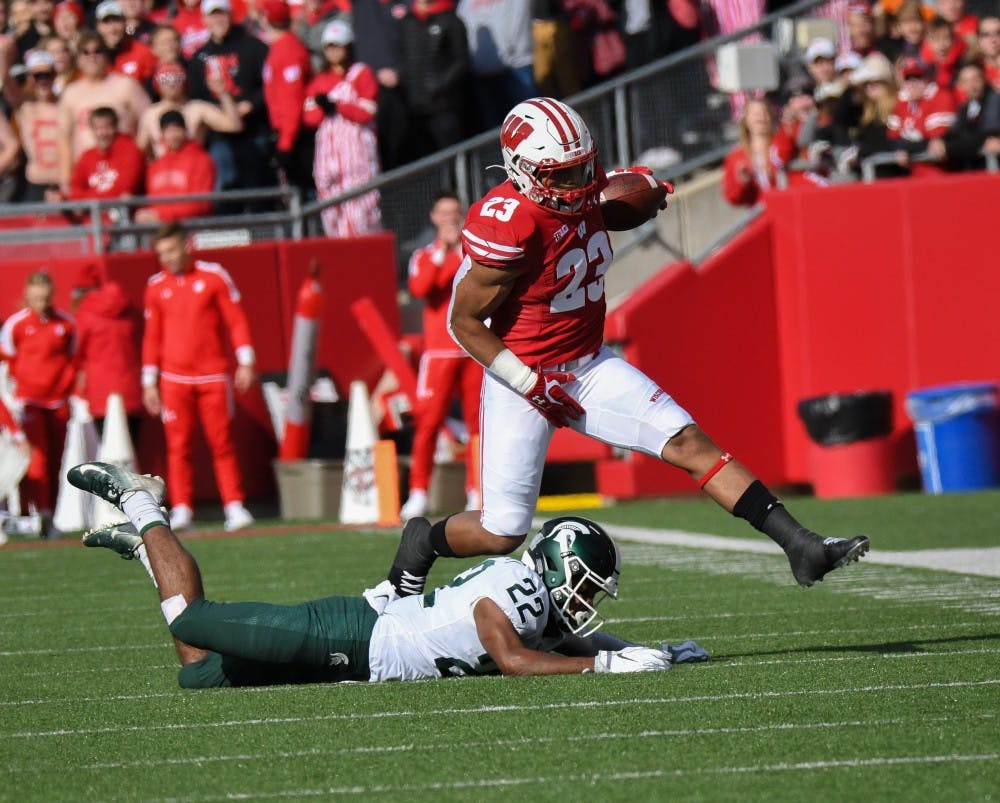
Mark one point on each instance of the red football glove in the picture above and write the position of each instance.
(647, 172)
(552, 401)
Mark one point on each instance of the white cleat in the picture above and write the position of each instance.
(111, 482)
(181, 517)
(415, 506)
(237, 517)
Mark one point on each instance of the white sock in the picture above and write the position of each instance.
(140, 553)
(142, 510)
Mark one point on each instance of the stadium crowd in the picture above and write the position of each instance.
(321, 94)
(913, 90)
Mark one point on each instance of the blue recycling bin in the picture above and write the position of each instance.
(956, 431)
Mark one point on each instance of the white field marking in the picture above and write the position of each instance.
(499, 709)
(518, 742)
(819, 632)
(727, 664)
(553, 781)
(982, 562)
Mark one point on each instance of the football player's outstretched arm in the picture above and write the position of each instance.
(479, 291)
(508, 652)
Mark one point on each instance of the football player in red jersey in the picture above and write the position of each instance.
(529, 304)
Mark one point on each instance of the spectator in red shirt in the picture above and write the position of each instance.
(114, 168)
(287, 71)
(193, 313)
(943, 50)
(67, 21)
(185, 168)
(38, 342)
(128, 55)
(190, 24)
(108, 330)
(924, 112)
(755, 165)
(445, 369)
(964, 24)
(341, 104)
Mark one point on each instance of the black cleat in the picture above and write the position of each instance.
(414, 558)
(813, 558)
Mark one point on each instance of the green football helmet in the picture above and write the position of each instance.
(579, 564)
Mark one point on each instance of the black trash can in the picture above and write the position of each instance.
(850, 454)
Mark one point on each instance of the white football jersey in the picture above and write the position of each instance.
(434, 635)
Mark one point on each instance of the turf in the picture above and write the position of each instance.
(881, 683)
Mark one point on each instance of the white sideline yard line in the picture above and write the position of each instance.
(599, 777)
(500, 709)
(783, 727)
(982, 562)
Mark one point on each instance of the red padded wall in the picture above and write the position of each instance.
(268, 276)
(708, 336)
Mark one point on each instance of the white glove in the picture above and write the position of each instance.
(632, 659)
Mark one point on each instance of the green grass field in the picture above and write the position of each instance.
(881, 683)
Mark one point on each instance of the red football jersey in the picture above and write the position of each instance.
(555, 312)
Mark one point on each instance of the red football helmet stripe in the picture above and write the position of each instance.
(557, 116)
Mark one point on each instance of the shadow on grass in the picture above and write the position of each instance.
(900, 647)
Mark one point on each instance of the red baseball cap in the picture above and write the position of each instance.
(275, 12)
(71, 7)
(912, 67)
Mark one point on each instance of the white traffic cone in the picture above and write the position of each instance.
(74, 508)
(116, 447)
(359, 496)
(116, 443)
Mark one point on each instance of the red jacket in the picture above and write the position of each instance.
(117, 172)
(947, 68)
(362, 112)
(40, 352)
(108, 348)
(432, 270)
(741, 183)
(287, 70)
(135, 60)
(187, 171)
(188, 318)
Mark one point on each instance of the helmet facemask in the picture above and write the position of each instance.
(575, 601)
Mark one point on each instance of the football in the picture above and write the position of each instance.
(630, 199)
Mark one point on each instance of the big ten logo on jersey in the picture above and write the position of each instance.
(500, 208)
(586, 265)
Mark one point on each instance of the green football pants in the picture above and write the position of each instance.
(260, 644)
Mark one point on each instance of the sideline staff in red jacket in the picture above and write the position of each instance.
(190, 308)
(38, 342)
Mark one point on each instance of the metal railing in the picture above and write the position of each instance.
(870, 164)
(668, 104)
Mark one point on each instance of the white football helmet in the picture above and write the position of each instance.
(549, 155)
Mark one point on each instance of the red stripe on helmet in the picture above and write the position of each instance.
(557, 115)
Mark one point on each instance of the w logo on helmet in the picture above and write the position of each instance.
(515, 131)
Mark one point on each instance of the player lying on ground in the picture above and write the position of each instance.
(529, 305)
(503, 616)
